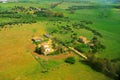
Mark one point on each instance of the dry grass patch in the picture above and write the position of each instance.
(15, 55)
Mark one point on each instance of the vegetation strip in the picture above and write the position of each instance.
(83, 56)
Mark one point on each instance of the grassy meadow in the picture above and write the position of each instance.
(17, 61)
(108, 27)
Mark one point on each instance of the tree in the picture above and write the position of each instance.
(38, 50)
(72, 11)
(58, 14)
(82, 48)
(74, 36)
(98, 46)
(70, 60)
(105, 66)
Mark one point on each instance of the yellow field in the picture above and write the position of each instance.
(14, 49)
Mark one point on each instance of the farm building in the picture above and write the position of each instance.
(83, 39)
(47, 35)
(36, 39)
(46, 48)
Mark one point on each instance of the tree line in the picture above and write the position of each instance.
(20, 15)
(106, 66)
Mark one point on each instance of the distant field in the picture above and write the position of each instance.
(9, 5)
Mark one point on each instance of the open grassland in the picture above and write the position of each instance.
(66, 72)
(15, 58)
(53, 25)
(17, 62)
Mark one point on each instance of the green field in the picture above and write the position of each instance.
(109, 27)
(17, 60)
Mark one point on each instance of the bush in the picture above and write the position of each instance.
(70, 60)
(53, 53)
(38, 50)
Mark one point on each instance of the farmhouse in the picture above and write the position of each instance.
(46, 48)
(83, 39)
(36, 39)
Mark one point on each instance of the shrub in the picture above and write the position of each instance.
(38, 50)
(70, 60)
(53, 53)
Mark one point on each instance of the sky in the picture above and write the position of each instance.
(99, 1)
(3, 0)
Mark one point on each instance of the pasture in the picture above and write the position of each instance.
(17, 61)
(109, 27)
